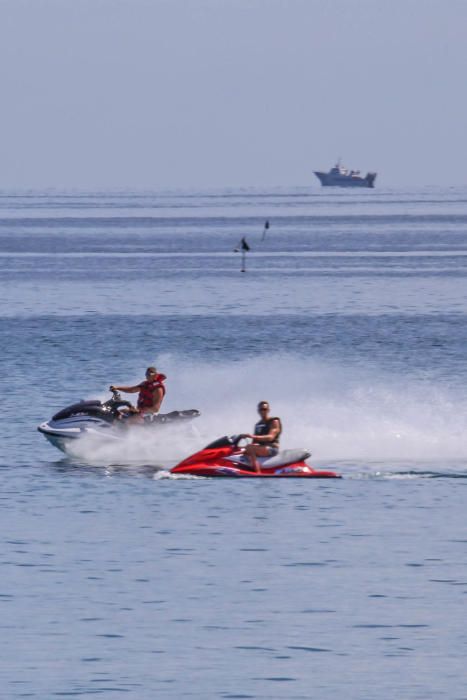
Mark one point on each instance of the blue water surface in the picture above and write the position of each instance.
(117, 580)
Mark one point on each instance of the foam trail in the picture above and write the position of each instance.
(162, 447)
(339, 412)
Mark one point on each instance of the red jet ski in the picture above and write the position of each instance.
(224, 457)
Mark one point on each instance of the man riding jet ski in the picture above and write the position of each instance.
(265, 440)
(110, 419)
(261, 457)
(151, 393)
(224, 457)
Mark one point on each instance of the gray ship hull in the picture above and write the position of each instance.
(337, 180)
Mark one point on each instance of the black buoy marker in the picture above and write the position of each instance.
(245, 249)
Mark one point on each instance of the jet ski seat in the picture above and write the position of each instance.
(285, 457)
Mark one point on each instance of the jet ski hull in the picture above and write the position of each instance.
(58, 440)
(223, 458)
(63, 438)
(103, 421)
(296, 472)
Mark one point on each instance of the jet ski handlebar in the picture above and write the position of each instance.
(116, 401)
(236, 439)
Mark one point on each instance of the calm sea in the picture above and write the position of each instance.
(118, 581)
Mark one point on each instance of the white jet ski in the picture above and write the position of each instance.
(109, 419)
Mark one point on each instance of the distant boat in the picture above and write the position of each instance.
(341, 177)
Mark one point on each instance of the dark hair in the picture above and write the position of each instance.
(151, 370)
(263, 404)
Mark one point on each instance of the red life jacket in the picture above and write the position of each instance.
(147, 389)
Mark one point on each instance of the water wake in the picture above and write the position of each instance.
(341, 413)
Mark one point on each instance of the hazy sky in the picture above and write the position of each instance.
(181, 93)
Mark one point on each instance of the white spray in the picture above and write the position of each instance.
(338, 412)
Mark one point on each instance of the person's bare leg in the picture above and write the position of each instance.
(133, 418)
(254, 451)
